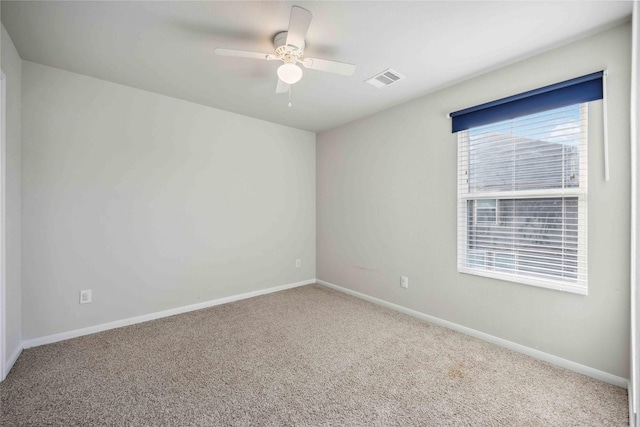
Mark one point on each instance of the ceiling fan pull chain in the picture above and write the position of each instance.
(289, 95)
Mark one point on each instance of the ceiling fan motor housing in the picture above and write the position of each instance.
(289, 48)
(287, 53)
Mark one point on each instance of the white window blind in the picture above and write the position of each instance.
(522, 199)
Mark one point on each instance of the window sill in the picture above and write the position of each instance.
(530, 281)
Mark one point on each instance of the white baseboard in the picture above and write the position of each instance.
(34, 342)
(12, 359)
(550, 358)
(558, 361)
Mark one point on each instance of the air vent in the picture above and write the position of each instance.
(385, 78)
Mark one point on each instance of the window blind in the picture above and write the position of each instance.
(522, 199)
(578, 90)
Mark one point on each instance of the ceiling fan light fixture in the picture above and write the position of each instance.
(289, 73)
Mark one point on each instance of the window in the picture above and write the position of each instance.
(522, 185)
(522, 199)
(486, 211)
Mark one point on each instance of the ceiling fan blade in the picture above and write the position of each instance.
(244, 54)
(282, 87)
(298, 25)
(330, 66)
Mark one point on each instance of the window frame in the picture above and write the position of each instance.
(580, 192)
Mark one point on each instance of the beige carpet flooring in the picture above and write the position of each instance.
(308, 356)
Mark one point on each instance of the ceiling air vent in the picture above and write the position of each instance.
(385, 78)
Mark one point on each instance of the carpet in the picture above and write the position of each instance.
(307, 356)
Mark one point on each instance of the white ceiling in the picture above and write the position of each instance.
(167, 47)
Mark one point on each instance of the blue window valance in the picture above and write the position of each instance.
(581, 89)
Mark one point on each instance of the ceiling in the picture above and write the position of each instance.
(167, 47)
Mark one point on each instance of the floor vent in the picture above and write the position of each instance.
(385, 78)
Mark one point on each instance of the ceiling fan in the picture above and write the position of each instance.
(289, 48)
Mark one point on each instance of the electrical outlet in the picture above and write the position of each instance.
(85, 296)
(404, 282)
(298, 264)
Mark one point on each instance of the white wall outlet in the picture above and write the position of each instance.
(298, 264)
(404, 282)
(85, 296)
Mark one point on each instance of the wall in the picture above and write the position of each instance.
(386, 206)
(152, 202)
(634, 389)
(11, 66)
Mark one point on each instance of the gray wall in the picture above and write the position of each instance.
(153, 202)
(11, 66)
(386, 206)
(634, 389)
